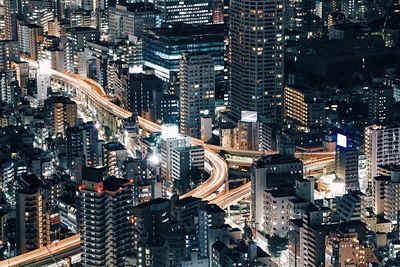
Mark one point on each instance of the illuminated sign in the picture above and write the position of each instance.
(341, 140)
(249, 116)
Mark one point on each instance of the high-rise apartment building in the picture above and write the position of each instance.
(197, 91)
(10, 18)
(114, 154)
(303, 107)
(380, 103)
(185, 160)
(270, 172)
(256, 58)
(381, 146)
(106, 222)
(35, 225)
(170, 140)
(61, 113)
(347, 166)
(30, 36)
(187, 11)
(9, 52)
(386, 192)
(81, 148)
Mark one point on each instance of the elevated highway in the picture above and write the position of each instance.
(46, 255)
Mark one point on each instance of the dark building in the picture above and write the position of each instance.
(165, 107)
(140, 92)
(36, 225)
(380, 103)
(347, 166)
(81, 148)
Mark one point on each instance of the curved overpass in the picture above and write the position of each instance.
(96, 93)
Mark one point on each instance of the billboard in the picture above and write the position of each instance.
(249, 116)
(341, 140)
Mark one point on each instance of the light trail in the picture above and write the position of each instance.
(69, 243)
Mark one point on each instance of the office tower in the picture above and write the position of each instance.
(128, 51)
(196, 91)
(269, 172)
(187, 11)
(61, 113)
(303, 107)
(10, 18)
(126, 21)
(380, 103)
(9, 52)
(170, 140)
(256, 51)
(346, 160)
(114, 154)
(106, 222)
(165, 107)
(140, 92)
(82, 146)
(381, 147)
(163, 47)
(185, 160)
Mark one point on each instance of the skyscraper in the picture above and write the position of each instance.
(256, 57)
(197, 90)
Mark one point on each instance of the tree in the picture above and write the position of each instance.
(276, 245)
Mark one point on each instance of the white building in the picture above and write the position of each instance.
(170, 140)
(381, 147)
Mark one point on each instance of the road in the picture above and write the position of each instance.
(233, 196)
(68, 244)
